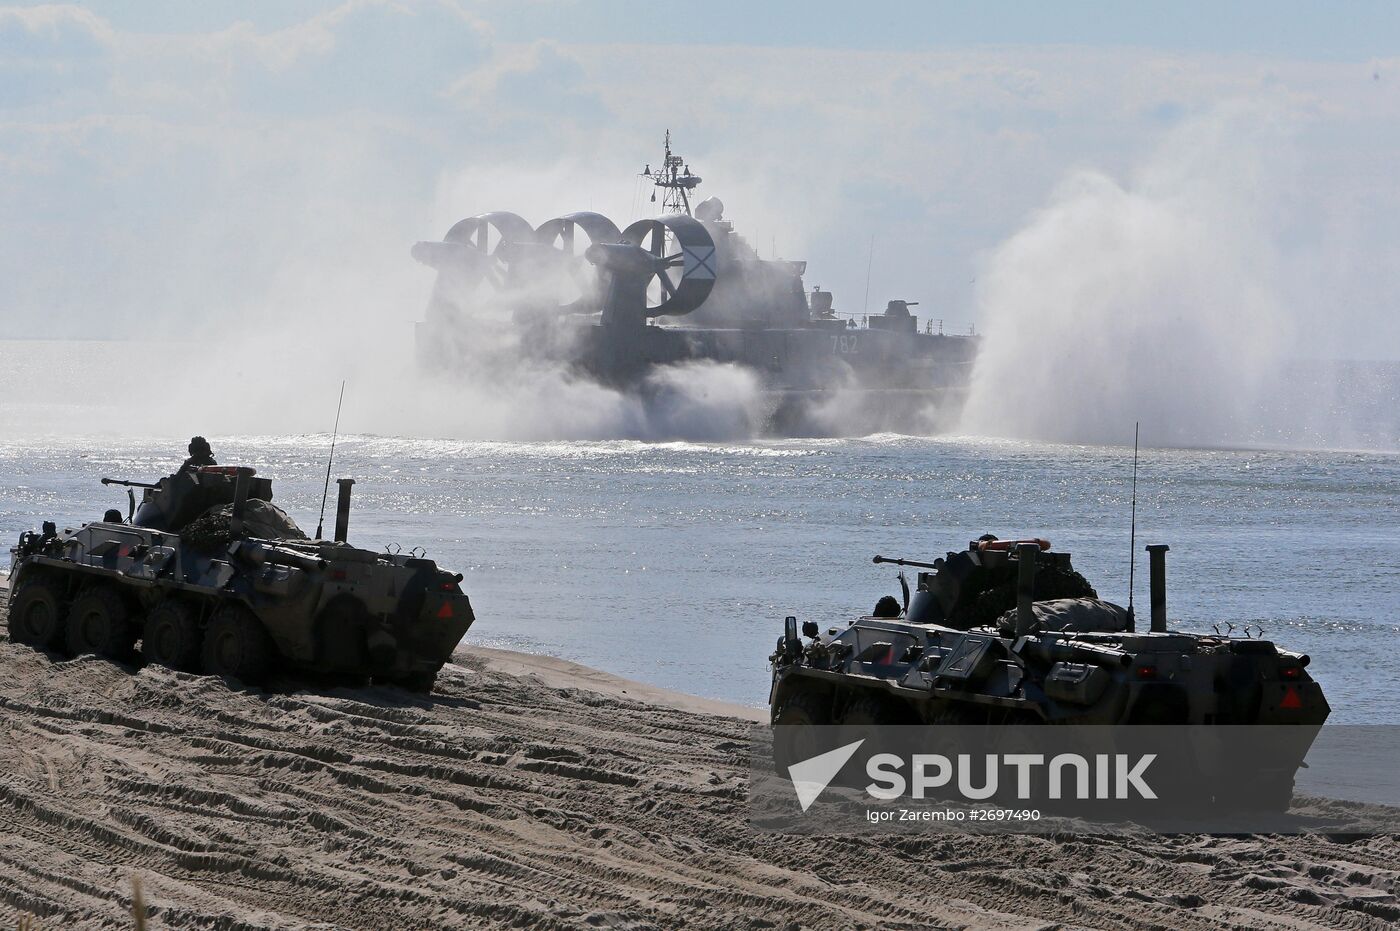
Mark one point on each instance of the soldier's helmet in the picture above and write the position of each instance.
(199, 446)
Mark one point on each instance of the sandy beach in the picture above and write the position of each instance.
(533, 793)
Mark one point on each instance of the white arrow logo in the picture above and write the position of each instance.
(811, 777)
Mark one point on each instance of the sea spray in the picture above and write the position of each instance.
(1151, 299)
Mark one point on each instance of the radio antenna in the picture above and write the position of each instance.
(869, 263)
(320, 521)
(1132, 531)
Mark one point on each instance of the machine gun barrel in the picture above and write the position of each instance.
(1061, 651)
(118, 481)
(905, 562)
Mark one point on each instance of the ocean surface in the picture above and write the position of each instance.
(675, 563)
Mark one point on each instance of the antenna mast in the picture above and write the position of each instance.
(1132, 532)
(320, 521)
(869, 263)
(674, 179)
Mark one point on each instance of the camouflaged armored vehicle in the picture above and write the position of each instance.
(1008, 632)
(208, 575)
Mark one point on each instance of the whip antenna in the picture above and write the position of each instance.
(1132, 531)
(331, 458)
(869, 263)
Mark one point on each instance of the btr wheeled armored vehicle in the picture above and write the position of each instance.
(208, 575)
(1007, 632)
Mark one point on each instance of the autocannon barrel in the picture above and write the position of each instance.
(905, 562)
(1061, 651)
(119, 481)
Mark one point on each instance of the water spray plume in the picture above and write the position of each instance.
(1155, 296)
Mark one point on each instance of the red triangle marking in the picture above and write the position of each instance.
(1291, 699)
(445, 610)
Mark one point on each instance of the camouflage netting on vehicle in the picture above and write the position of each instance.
(1071, 614)
(1049, 583)
(210, 531)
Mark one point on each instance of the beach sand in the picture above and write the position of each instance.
(533, 793)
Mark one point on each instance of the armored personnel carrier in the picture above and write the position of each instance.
(1007, 632)
(613, 304)
(208, 575)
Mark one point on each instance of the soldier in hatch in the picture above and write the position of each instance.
(887, 607)
(200, 455)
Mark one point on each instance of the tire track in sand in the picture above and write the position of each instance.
(505, 802)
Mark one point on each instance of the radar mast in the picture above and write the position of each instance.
(674, 179)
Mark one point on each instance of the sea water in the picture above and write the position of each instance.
(675, 563)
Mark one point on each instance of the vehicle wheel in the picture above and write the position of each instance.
(173, 638)
(36, 616)
(794, 737)
(99, 622)
(1272, 795)
(871, 710)
(420, 682)
(804, 707)
(236, 645)
(955, 715)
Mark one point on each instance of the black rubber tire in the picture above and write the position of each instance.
(237, 646)
(419, 682)
(172, 637)
(874, 711)
(1267, 796)
(953, 714)
(805, 708)
(100, 622)
(870, 710)
(793, 735)
(37, 616)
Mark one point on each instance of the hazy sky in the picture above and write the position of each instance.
(169, 162)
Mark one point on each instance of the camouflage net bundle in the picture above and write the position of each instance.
(1049, 584)
(210, 531)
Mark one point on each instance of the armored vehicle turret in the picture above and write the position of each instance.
(1007, 632)
(208, 575)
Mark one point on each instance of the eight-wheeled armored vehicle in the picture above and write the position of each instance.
(1007, 632)
(208, 575)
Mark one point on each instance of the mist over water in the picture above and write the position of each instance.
(1161, 298)
(1167, 296)
(274, 366)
